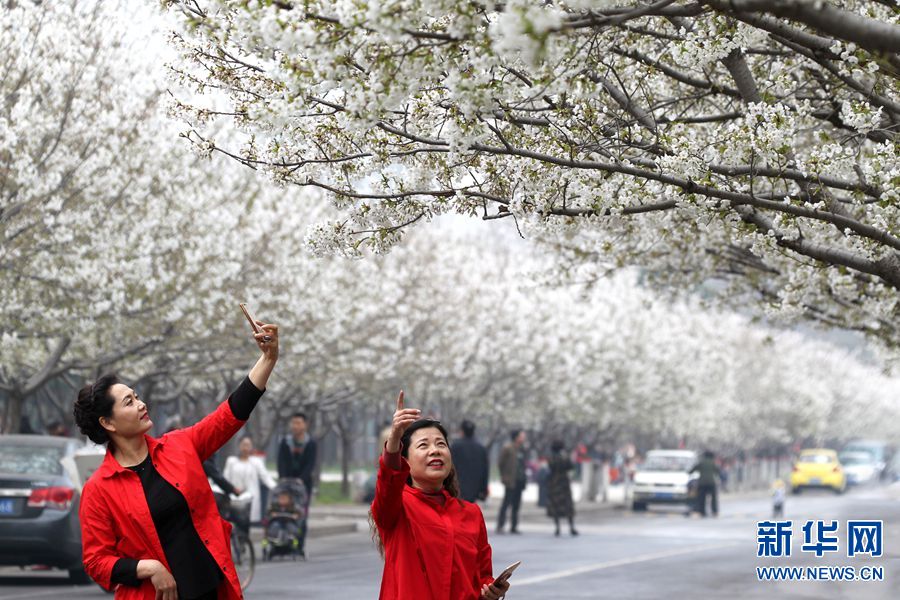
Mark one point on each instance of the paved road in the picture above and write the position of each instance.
(655, 555)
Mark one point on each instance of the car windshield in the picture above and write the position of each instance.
(667, 463)
(815, 458)
(873, 452)
(856, 459)
(30, 460)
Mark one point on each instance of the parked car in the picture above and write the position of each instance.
(892, 471)
(881, 452)
(859, 467)
(663, 478)
(39, 504)
(818, 467)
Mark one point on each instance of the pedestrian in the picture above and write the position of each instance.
(223, 488)
(541, 478)
(512, 474)
(471, 461)
(297, 452)
(706, 482)
(297, 460)
(246, 471)
(559, 487)
(778, 495)
(582, 456)
(149, 522)
(434, 543)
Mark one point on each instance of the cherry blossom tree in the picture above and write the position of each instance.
(122, 250)
(103, 261)
(752, 141)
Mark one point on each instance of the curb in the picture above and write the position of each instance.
(338, 519)
(316, 529)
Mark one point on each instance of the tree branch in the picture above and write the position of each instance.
(871, 34)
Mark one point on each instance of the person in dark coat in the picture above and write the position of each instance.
(514, 478)
(297, 460)
(559, 487)
(471, 461)
(706, 482)
(297, 453)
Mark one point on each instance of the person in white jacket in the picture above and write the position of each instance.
(246, 471)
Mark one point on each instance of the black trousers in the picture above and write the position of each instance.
(512, 499)
(702, 492)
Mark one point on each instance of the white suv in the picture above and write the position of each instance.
(664, 478)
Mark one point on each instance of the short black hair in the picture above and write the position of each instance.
(94, 402)
(514, 433)
(556, 445)
(468, 428)
(299, 415)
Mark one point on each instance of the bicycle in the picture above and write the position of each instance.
(236, 510)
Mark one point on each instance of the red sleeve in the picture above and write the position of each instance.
(98, 539)
(388, 503)
(213, 430)
(485, 560)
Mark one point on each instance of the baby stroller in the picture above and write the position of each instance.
(285, 526)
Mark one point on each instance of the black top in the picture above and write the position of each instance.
(297, 460)
(471, 461)
(193, 567)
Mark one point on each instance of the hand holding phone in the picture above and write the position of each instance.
(507, 572)
(253, 325)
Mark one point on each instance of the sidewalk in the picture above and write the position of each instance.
(336, 519)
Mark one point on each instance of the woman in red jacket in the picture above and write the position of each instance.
(149, 523)
(434, 544)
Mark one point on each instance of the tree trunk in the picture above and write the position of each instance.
(346, 450)
(12, 422)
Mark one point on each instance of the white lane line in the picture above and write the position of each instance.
(618, 563)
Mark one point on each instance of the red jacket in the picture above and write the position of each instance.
(431, 552)
(116, 521)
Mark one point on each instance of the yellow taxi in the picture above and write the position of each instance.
(818, 467)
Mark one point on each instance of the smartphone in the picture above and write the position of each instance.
(507, 572)
(253, 325)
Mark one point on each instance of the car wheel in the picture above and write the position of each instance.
(841, 489)
(78, 577)
(638, 506)
(796, 490)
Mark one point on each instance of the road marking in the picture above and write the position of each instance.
(619, 563)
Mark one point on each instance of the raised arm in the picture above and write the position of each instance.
(392, 470)
(259, 374)
(214, 430)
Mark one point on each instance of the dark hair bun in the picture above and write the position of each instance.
(94, 402)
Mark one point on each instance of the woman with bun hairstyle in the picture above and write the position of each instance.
(149, 524)
(434, 544)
